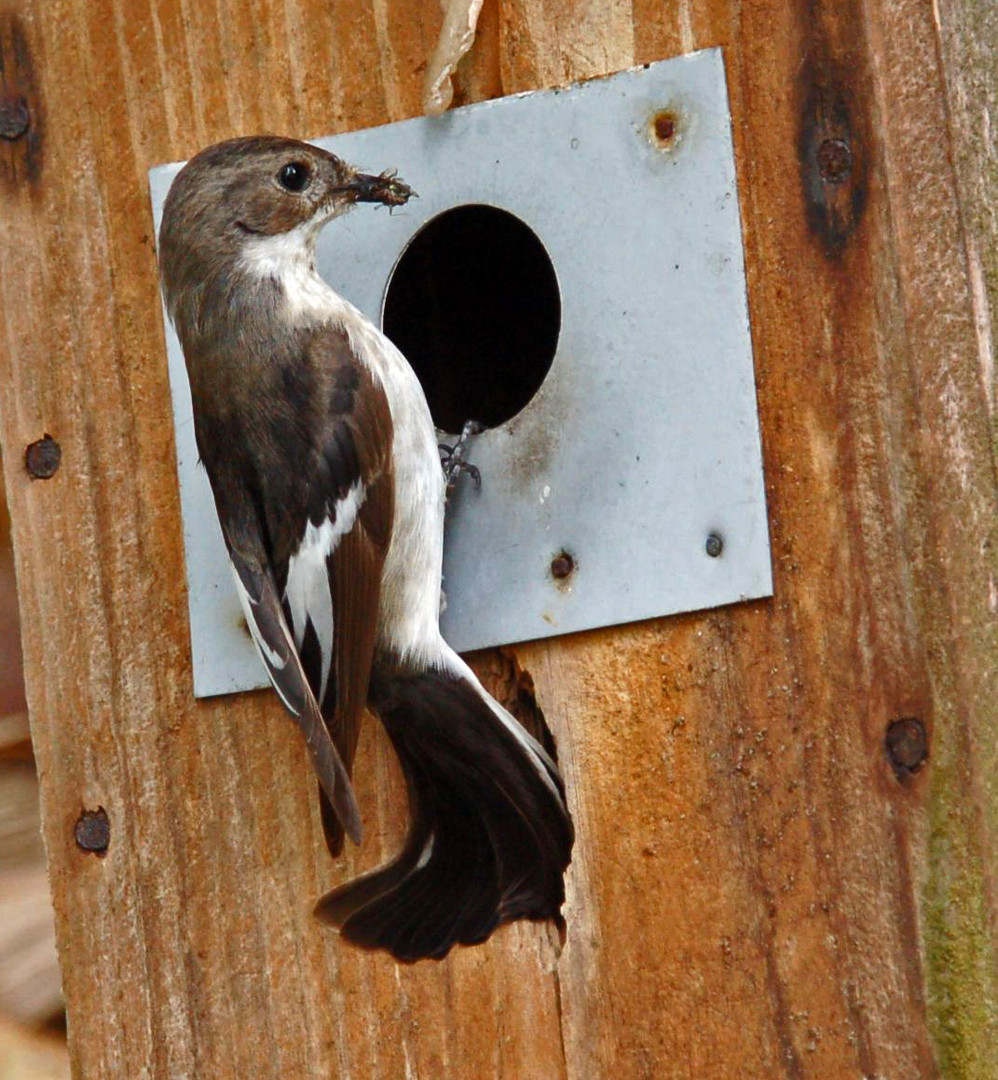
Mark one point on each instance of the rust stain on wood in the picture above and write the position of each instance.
(21, 114)
(832, 160)
(833, 144)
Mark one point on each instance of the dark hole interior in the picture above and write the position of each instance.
(474, 306)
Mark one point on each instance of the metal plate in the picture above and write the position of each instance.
(642, 441)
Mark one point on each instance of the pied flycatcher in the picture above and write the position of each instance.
(324, 466)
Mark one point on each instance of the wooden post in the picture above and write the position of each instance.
(770, 879)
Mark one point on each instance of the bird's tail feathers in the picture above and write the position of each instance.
(490, 835)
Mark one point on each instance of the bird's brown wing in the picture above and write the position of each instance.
(302, 478)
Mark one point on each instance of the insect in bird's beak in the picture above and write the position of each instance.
(386, 189)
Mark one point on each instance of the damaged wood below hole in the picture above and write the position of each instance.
(513, 687)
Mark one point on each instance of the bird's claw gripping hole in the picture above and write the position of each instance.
(453, 460)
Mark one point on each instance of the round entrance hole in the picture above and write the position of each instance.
(473, 304)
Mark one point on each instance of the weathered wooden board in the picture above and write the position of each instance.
(756, 891)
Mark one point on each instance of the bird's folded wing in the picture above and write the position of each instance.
(333, 579)
(307, 519)
(266, 622)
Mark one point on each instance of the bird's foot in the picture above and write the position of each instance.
(453, 459)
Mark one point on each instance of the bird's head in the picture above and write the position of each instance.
(231, 198)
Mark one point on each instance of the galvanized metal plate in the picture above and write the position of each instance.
(643, 440)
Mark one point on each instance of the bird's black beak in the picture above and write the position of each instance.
(386, 189)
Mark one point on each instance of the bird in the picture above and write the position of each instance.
(323, 461)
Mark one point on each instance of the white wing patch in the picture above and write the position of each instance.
(307, 590)
(274, 661)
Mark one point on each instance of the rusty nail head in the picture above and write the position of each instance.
(562, 566)
(42, 458)
(14, 117)
(663, 127)
(907, 745)
(834, 160)
(714, 546)
(93, 831)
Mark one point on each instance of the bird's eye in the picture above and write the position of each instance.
(293, 176)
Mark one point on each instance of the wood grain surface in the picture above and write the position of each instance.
(770, 880)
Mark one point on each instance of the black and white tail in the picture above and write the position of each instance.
(490, 835)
